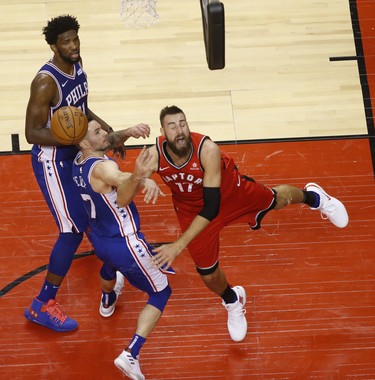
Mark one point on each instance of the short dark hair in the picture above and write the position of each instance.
(169, 110)
(59, 25)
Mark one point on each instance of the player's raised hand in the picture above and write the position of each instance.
(139, 130)
(141, 162)
(118, 138)
(151, 191)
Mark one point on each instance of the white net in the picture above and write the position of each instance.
(138, 14)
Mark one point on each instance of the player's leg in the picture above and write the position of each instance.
(204, 250)
(128, 360)
(256, 200)
(132, 256)
(233, 299)
(315, 197)
(65, 204)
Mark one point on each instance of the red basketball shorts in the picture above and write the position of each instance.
(248, 201)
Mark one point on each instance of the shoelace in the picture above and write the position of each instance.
(56, 313)
(238, 313)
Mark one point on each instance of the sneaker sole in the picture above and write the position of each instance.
(122, 366)
(109, 314)
(32, 319)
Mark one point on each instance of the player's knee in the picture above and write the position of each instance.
(160, 299)
(208, 272)
(107, 272)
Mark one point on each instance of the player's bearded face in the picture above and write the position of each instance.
(70, 58)
(98, 138)
(67, 46)
(180, 145)
(103, 145)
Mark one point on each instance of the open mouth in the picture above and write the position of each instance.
(180, 140)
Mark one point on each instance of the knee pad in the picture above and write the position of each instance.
(107, 272)
(207, 271)
(160, 299)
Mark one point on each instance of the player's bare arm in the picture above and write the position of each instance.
(152, 165)
(119, 137)
(127, 190)
(43, 93)
(106, 176)
(211, 162)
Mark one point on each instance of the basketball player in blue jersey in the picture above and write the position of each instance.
(115, 234)
(61, 82)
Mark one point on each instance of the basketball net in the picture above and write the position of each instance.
(138, 14)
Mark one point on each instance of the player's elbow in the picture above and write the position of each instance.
(29, 136)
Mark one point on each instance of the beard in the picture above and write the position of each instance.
(101, 147)
(180, 152)
(68, 59)
(105, 148)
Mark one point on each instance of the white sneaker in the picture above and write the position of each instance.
(329, 206)
(108, 311)
(129, 366)
(237, 324)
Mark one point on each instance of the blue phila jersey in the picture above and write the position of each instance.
(73, 91)
(106, 218)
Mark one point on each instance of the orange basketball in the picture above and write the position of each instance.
(69, 125)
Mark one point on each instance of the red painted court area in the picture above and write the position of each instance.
(310, 286)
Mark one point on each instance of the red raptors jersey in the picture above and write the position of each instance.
(242, 199)
(186, 181)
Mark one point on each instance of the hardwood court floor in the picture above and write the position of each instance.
(310, 286)
(279, 81)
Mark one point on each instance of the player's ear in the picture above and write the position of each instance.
(53, 48)
(162, 131)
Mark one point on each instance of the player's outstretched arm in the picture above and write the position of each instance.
(127, 190)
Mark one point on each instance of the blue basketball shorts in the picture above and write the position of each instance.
(61, 194)
(131, 255)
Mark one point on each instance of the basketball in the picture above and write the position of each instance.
(69, 125)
